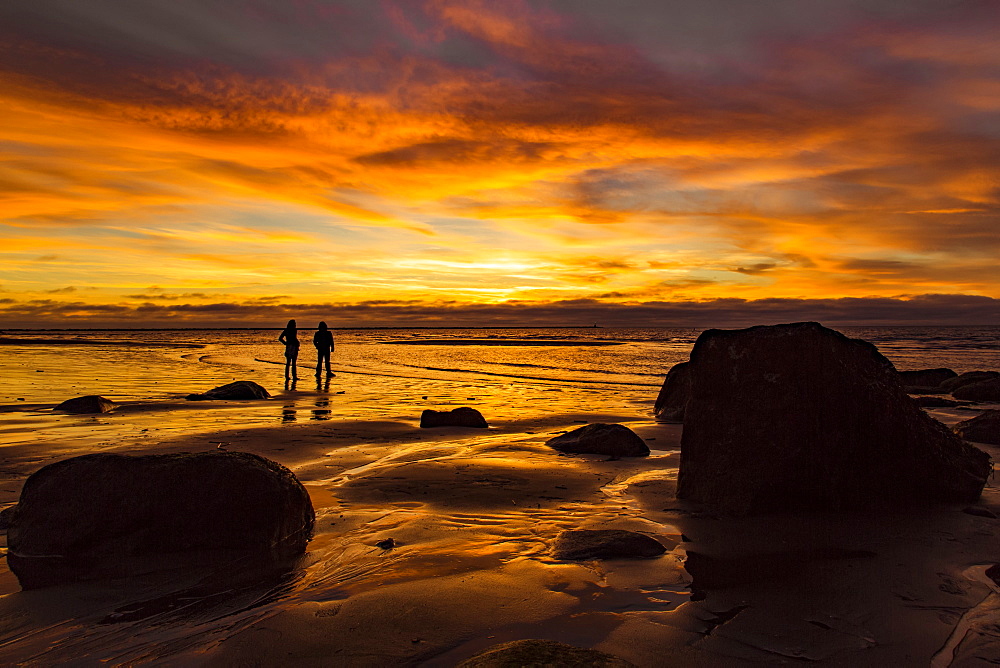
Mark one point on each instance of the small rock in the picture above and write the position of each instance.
(979, 512)
(926, 377)
(586, 544)
(936, 402)
(674, 394)
(542, 654)
(984, 428)
(459, 417)
(386, 544)
(614, 440)
(985, 390)
(91, 403)
(239, 390)
(968, 378)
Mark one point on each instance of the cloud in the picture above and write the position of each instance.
(927, 309)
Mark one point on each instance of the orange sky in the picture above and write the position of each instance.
(466, 162)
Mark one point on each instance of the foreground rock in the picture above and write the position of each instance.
(614, 440)
(985, 390)
(968, 378)
(984, 428)
(108, 516)
(585, 544)
(542, 654)
(240, 389)
(674, 394)
(800, 417)
(91, 403)
(926, 377)
(459, 417)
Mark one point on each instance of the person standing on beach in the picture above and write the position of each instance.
(323, 340)
(290, 337)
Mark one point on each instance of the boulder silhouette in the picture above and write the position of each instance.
(104, 516)
(926, 377)
(984, 390)
(240, 389)
(968, 378)
(533, 653)
(800, 417)
(91, 403)
(674, 394)
(614, 440)
(984, 428)
(459, 417)
(586, 544)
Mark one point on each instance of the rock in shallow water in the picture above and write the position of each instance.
(985, 390)
(107, 516)
(674, 394)
(585, 544)
(926, 377)
(614, 440)
(967, 378)
(542, 654)
(240, 389)
(458, 417)
(984, 428)
(800, 417)
(91, 403)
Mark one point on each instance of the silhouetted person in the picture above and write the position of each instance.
(323, 340)
(290, 337)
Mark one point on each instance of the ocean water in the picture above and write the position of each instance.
(133, 365)
(142, 365)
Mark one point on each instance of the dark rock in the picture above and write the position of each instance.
(800, 417)
(586, 544)
(909, 389)
(542, 654)
(993, 573)
(926, 377)
(459, 417)
(5, 515)
(107, 516)
(984, 428)
(984, 390)
(979, 512)
(614, 440)
(91, 403)
(241, 389)
(968, 378)
(936, 402)
(674, 394)
(386, 544)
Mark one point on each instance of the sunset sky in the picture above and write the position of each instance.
(379, 162)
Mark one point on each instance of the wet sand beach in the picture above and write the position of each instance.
(473, 515)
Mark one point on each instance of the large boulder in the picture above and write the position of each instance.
(240, 389)
(533, 653)
(800, 417)
(458, 417)
(586, 544)
(984, 390)
(926, 377)
(107, 516)
(674, 394)
(968, 378)
(614, 440)
(984, 428)
(91, 403)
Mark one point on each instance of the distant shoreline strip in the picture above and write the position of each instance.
(500, 342)
(95, 342)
